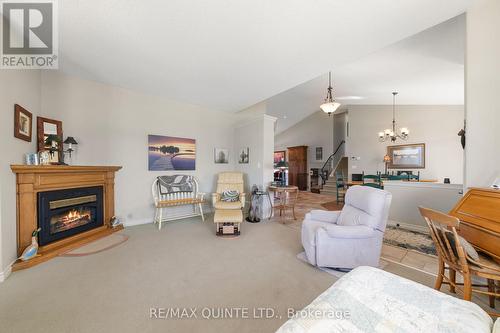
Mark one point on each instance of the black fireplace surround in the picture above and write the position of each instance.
(64, 213)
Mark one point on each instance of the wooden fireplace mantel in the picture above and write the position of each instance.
(31, 179)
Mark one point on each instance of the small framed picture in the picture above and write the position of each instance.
(23, 120)
(319, 153)
(221, 155)
(243, 156)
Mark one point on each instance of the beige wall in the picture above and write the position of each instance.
(314, 131)
(112, 126)
(16, 87)
(255, 130)
(482, 86)
(436, 126)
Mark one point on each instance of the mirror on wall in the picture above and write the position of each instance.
(50, 134)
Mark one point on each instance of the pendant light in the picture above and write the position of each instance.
(329, 106)
(392, 134)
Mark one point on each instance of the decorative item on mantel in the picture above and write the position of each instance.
(50, 134)
(70, 141)
(53, 141)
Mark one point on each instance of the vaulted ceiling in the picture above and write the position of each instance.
(426, 69)
(230, 54)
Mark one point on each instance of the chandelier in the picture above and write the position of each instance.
(329, 106)
(392, 134)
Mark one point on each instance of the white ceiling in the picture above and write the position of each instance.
(426, 69)
(230, 54)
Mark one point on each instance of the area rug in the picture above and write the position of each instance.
(97, 246)
(332, 271)
(410, 240)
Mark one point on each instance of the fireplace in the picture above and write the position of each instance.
(64, 213)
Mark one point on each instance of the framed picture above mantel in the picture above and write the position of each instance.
(408, 156)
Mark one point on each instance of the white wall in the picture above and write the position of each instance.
(408, 196)
(255, 130)
(112, 125)
(314, 131)
(16, 87)
(482, 85)
(436, 126)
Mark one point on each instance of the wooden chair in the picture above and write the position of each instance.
(163, 202)
(414, 177)
(453, 258)
(398, 177)
(285, 198)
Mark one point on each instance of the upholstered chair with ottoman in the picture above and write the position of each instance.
(351, 237)
(229, 201)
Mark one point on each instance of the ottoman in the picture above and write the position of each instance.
(227, 221)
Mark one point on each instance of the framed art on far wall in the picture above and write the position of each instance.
(23, 123)
(319, 153)
(411, 156)
(243, 156)
(171, 153)
(221, 156)
(279, 155)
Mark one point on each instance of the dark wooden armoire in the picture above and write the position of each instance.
(297, 167)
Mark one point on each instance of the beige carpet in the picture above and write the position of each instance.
(183, 265)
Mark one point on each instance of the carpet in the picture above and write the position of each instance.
(97, 246)
(410, 240)
(339, 272)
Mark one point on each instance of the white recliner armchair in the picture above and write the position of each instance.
(351, 237)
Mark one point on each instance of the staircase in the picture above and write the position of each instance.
(330, 185)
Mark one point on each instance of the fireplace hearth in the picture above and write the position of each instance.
(64, 213)
(73, 205)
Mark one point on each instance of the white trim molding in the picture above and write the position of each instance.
(5, 274)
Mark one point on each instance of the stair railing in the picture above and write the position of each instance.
(327, 168)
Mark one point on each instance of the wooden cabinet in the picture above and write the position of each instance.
(297, 167)
(479, 215)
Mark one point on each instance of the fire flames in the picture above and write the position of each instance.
(74, 215)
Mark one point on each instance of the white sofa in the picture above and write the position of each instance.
(351, 237)
(370, 300)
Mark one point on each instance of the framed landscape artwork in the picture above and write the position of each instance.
(410, 156)
(171, 153)
(221, 155)
(22, 123)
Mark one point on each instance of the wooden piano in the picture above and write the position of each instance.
(479, 215)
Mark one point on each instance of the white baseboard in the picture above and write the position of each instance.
(5, 274)
(408, 226)
(131, 223)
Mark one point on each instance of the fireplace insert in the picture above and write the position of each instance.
(67, 212)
